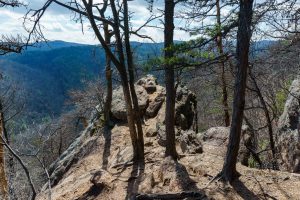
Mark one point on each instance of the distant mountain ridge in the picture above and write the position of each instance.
(49, 70)
(52, 45)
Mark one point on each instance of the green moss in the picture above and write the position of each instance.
(252, 163)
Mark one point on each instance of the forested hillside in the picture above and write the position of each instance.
(46, 73)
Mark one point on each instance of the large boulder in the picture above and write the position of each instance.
(189, 142)
(185, 122)
(151, 97)
(288, 131)
(156, 100)
(118, 106)
(149, 82)
(186, 108)
(215, 141)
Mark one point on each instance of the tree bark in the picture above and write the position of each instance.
(127, 89)
(130, 65)
(222, 65)
(11, 166)
(108, 71)
(108, 76)
(229, 172)
(120, 65)
(3, 180)
(169, 79)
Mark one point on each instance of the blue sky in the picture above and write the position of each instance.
(58, 23)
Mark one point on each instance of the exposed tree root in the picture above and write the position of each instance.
(171, 196)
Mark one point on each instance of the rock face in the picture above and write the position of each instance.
(185, 122)
(288, 134)
(186, 105)
(148, 82)
(215, 140)
(289, 120)
(118, 106)
(78, 149)
(152, 104)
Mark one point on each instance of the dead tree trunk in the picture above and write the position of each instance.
(229, 172)
(219, 42)
(169, 79)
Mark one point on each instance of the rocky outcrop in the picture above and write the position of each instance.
(215, 140)
(118, 106)
(152, 104)
(185, 122)
(98, 165)
(149, 82)
(289, 120)
(288, 133)
(186, 108)
(82, 146)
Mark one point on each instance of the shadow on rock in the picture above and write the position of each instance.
(107, 145)
(135, 180)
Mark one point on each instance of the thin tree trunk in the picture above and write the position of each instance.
(11, 166)
(131, 122)
(120, 65)
(108, 71)
(268, 118)
(109, 93)
(3, 180)
(30, 182)
(137, 114)
(60, 146)
(229, 172)
(222, 65)
(126, 87)
(108, 76)
(169, 79)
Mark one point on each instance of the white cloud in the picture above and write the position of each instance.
(58, 23)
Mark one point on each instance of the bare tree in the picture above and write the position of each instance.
(11, 43)
(11, 3)
(120, 55)
(7, 44)
(3, 179)
(108, 71)
(229, 172)
(263, 102)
